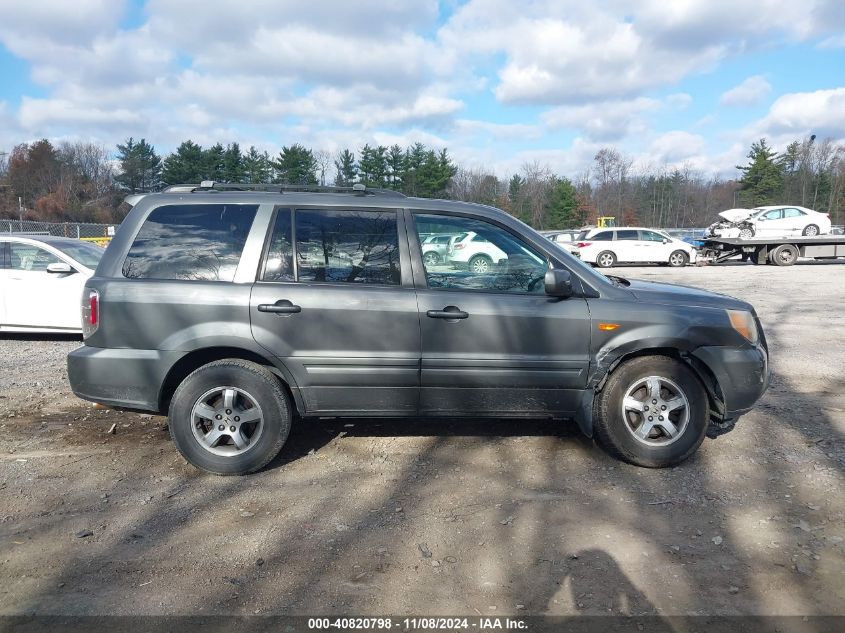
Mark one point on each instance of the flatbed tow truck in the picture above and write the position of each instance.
(779, 251)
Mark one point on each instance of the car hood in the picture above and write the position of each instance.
(664, 293)
(736, 215)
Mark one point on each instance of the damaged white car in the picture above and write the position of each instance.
(772, 221)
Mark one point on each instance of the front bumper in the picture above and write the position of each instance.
(127, 378)
(742, 374)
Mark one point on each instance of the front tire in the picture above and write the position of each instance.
(230, 417)
(811, 230)
(746, 234)
(606, 259)
(678, 259)
(653, 412)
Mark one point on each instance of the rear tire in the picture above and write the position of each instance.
(231, 389)
(678, 259)
(811, 230)
(431, 259)
(480, 264)
(606, 259)
(784, 255)
(629, 431)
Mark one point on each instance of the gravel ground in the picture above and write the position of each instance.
(469, 517)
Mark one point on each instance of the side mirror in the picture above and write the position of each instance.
(59, 267)
(558, 283)
(665, 241)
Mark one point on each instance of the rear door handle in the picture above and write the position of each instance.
(282, 306)
(449, 312)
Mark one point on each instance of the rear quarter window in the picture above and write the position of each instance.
(200, 242)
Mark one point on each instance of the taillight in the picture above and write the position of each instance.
(459, 246)
(582, 244)
(90, 312)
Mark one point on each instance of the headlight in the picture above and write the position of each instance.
(743, 322)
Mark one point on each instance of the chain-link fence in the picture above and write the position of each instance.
(98, 233)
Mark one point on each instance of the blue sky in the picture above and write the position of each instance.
(500, 83)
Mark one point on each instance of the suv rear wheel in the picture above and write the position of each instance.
(480, 264)
(230, 417)
(652, 412)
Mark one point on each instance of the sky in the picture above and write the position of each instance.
(500, 83)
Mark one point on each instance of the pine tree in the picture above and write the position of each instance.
(762, 179)
(395, 167)
(213, 168)
(233, 165)
(296, 166)
(256, 166)
(562, 204)
(347, 171)
(372, 166)
(185, 165)
(140, 166)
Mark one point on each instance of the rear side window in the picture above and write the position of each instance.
(627, 235)
(793, 213)
(360, 247)
(200, 242)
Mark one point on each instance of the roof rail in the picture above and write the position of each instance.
(357, 189)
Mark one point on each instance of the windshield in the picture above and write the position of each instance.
(88, 255)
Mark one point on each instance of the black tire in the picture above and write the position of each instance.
(811, 230)
(678, 259)
(615, 433)
(480, 264)
(258, 384)
(431, 259)
(606, 259)
(784, 255)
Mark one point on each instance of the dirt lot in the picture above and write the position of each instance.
(420, 518)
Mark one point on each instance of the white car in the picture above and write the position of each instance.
(564, 239)
(475, 253)
(771, 221)
(608, 247)
(41, 281)
(435, 248)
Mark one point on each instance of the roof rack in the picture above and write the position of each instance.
(210, 185)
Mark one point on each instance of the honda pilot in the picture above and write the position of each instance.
(237, 311)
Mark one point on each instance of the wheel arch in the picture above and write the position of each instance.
(611, 360)
(195, 359)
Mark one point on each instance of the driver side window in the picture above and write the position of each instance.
(482, 257)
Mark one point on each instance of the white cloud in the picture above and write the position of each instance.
(800, 114)
(676, 147)
(749, 92)
(608, 121)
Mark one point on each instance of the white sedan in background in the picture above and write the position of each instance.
(41, 282)
(771, 221)
(608, 247)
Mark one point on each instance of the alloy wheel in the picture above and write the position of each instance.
(655, 410)
(227, 421)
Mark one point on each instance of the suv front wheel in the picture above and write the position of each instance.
(230, 417)
(652, 412)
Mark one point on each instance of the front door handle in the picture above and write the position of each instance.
(449, 312)
(282, 306)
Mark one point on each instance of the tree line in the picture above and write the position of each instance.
(86, 182)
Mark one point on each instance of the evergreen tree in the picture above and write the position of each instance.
(372, 166)
(762, 179)
(256, 166)
(395, 167)
(562, 204)
(296, 166)
(347, 171)
(185, 165)
(233, 164)
(140, 166)
(414, 158)
(213, 159)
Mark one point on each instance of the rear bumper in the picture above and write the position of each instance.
(128, 378)
(742, 373)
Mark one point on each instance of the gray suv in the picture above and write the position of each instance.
(236, 310)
